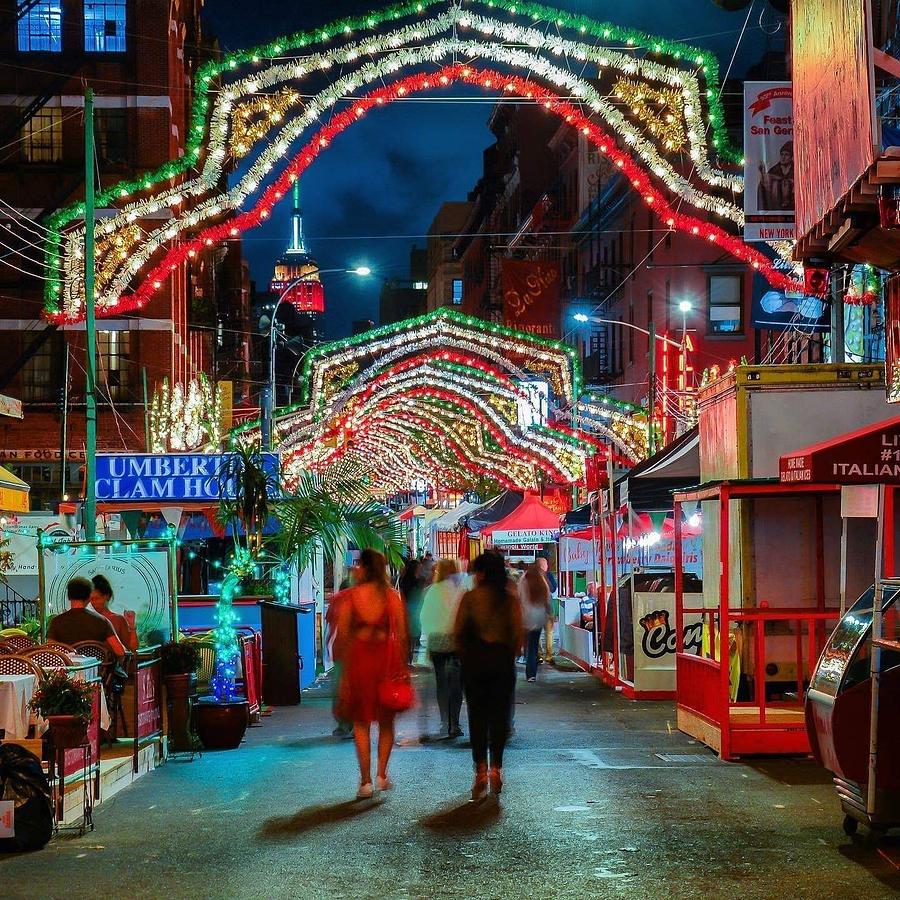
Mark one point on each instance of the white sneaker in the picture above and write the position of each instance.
(384, 784)
(365, 791)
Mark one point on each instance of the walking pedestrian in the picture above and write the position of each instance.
(344, 727)
(488, 632)
(549, 648)
(438, 615)
(534, 593)
(371, 642)
(411, 589)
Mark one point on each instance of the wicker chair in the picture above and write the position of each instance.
(20, 642)
(48, 659)
(6, 650)
(100, 652)
(207, 663)
(67, 649)
(20, 665)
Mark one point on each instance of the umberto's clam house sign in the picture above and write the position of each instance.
(176, 476)
(870, 455)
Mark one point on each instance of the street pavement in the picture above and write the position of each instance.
(604, 798)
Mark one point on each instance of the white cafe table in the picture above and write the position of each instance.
(16, 692)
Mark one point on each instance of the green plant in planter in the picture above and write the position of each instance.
(180, 657)
(31, 627)
(61, 695)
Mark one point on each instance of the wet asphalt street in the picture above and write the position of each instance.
(604, 798)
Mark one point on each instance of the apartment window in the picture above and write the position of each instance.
(112, 136)
(104, 26)
(37, 375)
(40, 26)
(113, 348)
(725, 310)
(456, 296)
(42, 136)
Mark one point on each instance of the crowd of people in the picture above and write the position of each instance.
(475, 626)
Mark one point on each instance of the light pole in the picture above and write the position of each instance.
(685, 306)
(268, 405)
(651, 359)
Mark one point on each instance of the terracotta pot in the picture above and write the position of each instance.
(68, 731)
(221, 726)
(179, 690)
(181, 686)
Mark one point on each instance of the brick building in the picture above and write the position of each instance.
(445, 269)
(140, 59)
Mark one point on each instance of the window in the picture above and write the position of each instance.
(40, 25)
(37, 375)
(104, 26)
(42, 136)
(112, 136)
(456, 297)
(113, 348)
(725, 315)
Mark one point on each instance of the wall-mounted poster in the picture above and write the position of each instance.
(768, 161)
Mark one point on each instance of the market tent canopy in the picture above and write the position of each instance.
(13, 492)
(870, 455)
(649, 485)
(529, 523)
(493, 511)
(452, 518)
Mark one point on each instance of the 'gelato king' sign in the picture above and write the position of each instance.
(176, 476)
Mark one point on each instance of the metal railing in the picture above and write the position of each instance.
(15, 608)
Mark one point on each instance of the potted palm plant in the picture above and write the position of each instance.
(67, 705)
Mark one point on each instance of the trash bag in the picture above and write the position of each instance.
(23, 781)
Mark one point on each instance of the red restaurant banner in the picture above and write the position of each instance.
(149, 699)
(870, 455)
(835, 127)
(531, 296)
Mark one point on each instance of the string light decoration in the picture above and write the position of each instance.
(254, 119)
(223, 102)
(186, 418)
(437, 397)
(665, 120)
(863, 286)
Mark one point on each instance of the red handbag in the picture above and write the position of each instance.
(396, 691)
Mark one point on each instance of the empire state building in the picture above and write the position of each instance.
(298, 273)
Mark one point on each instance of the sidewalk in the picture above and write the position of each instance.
(603, 799)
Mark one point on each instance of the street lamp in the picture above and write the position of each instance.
(685, 306)
(268, 411)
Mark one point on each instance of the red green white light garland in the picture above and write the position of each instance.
(193, 216)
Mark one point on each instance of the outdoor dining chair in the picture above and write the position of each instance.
(56, 645)
(20, 642)
(20, 665)
(48, 659)
(95, 649)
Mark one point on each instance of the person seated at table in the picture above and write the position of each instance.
(81, 623)
(100, 598)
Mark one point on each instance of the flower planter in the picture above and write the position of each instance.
(221, 726)
(179, 690)
(68, 731)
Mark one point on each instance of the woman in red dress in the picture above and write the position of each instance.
(371, 635)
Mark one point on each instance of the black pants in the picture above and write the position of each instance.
(449, 689)
(489, 676)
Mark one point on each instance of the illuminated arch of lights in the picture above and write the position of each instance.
(438, 398)
(650, 107)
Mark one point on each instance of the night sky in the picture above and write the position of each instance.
(377, 189)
